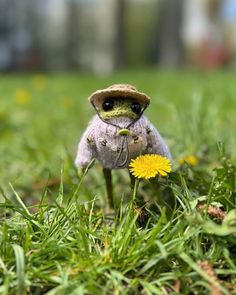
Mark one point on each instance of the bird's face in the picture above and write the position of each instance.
(114, 107)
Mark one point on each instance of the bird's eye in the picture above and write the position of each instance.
(108, 105)
(136, 107)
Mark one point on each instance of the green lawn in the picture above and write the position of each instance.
(54, 237)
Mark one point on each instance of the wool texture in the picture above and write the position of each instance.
(103, 142)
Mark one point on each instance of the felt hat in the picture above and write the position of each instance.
(118, 90)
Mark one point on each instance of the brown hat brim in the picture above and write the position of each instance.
(98, 97)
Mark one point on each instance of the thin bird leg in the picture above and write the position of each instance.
(108, 179)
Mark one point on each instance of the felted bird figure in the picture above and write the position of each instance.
(118, 132)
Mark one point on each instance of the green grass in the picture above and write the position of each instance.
(55, 238)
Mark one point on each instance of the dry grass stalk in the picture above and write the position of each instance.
(212, 211)
(176, 286)
(206, 267)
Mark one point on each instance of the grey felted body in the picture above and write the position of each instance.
(102, 142)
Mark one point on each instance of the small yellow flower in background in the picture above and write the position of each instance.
(39, 82)
(22, 96)
(106, 244)
(148, 166)
(190, 159)
(66, 102)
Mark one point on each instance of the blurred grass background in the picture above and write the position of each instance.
(43, 116)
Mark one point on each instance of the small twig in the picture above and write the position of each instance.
(212, 211)
(206, 267)
(46, 183)
(176, 286)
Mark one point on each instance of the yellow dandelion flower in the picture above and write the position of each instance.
(22, 97)
(190, 159)
(106, 244)
(148, 166)
(39, 82)
(66, 102)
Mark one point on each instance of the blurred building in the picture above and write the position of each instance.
(202, 34)
(16, 33)
(227, 11)
(101, 35)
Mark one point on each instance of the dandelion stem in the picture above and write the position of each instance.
(134, 190)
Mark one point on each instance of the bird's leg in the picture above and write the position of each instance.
(109, 192)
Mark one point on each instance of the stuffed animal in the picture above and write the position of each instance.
(118, 132)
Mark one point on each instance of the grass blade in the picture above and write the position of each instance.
(19, 201)
(20, 268)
